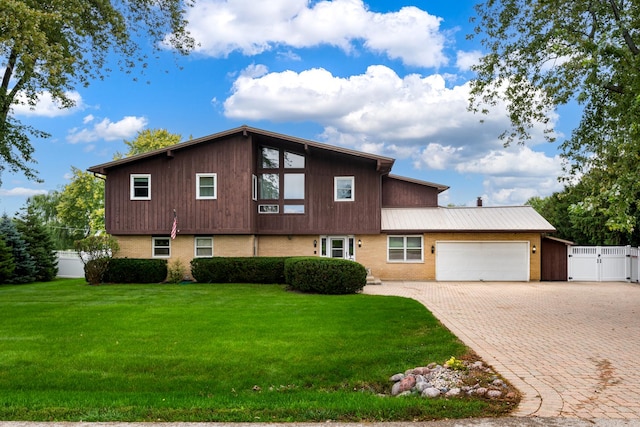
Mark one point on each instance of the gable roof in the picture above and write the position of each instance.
(472, 219)
(383, 164)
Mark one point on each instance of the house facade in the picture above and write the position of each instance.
(250, 192)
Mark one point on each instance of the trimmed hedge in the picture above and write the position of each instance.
(134, 270)
(325, 275)
(265, 270)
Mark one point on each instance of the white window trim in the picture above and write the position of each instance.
(153, 247)
(260, 206)
(335, 188)
(254, 187)
(215, 185)
(132, 189)
(196, 247)
(404, 249)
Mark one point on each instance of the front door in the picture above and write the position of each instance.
(338, 247)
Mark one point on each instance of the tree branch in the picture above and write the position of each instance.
(625, 32)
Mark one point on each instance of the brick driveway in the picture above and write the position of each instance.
(571, 348)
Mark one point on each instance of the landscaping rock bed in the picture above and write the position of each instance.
(462, 378)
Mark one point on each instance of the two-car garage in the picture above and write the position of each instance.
(482, 261)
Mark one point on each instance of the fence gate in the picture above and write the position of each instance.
(603, 263)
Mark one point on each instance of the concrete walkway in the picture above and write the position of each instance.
(571, 348)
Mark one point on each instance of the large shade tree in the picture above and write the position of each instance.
(542, 54)
(53, 46)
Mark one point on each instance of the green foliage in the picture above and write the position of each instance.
(7, 266)
(52, 46)
(96, 253)
(134, 270)
(177, 272)
(238, 270)
(39, 244)
(149, 140)
(544, 54)
(81, 205)
(325, 275)
(44, 206)
(24, 265)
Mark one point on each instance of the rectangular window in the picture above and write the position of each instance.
(206, 186)
(269, 186)
(268, 209)
(405, 249)
(204, 247)
(254, 187)
(344, 190)
(269, 158)
(161, 247)
(293, 160)
(294, 209)
(294, 186)
(140, 187)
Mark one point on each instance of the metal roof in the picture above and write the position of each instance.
(478, 219)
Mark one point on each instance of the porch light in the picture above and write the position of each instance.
(533, 249)
(433, 249)
(359, 243)
(315, 243)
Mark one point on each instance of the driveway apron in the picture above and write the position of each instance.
(571, 348)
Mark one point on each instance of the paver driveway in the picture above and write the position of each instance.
(571, 348)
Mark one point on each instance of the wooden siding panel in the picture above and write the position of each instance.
(173, 186)
(402, 194)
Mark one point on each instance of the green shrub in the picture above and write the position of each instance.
(135, 270)
(176, 272)
(266, 270)
(325, 275)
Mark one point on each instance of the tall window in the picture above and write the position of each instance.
(281, 181)
(405, 248)
(206, 186)
(140, 186)
(344, 190)
(161, 247)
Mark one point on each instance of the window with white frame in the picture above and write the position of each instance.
(140, 186)
(206, 186)
(344, 188)
(161, 247)
(203, 247)
(280, 184)
(254, 187)
(405, 249)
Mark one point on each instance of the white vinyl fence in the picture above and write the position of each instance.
(603, 264)
(70, 265)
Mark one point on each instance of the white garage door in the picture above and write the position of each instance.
(489, 261)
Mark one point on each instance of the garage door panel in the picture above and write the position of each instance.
(488, 261)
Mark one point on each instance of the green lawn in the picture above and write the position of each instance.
(69, 351)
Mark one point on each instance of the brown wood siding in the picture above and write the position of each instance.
(322, 214)
(173, 186)
(402, 194)
(554, 261)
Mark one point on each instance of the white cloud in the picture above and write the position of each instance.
(465, 60)
(107, 130)
(46, 106)
(413, 117)
(21, 192)
(224, 26)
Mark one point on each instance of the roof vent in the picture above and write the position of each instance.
(479, 202)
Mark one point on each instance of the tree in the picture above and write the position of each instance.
(547, 53)
(44, 207)
(52, 46)
(25, 267)
(39, 243)
(148, 140)
(81, 205)
(95, 253)
(7, 266)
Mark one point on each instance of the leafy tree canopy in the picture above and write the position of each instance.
(546, 53)
(149, 140)
(53, 46)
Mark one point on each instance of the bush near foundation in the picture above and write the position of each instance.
(264, 270)
(325, 275)
(135, 270)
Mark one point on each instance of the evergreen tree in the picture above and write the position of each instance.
(6, 261)
(25, 266)
(40, 244)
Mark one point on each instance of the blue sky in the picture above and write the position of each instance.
(388, 77)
